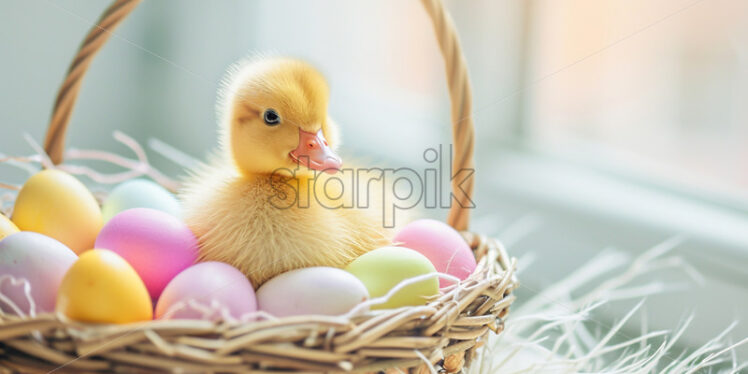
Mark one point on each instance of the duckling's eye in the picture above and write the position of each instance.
(271, 118)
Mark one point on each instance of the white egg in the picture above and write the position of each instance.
(315, 290)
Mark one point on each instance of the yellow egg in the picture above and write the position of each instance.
(56, 204)
(102, 287)
(7, 227)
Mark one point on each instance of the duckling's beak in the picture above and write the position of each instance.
(314, 153)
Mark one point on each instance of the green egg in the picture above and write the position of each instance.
(139, 193)
(382, 269)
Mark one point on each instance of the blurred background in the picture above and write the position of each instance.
(600, 123)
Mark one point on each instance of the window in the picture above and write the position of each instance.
(658, 88)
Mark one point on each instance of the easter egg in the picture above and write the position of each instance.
(441, 244)
(157, 244)
(56, 204)
(38, 259)
(7, 227)
(382, 269)
(214, 285)
(102, 287)
(315, 290)
(139, 193)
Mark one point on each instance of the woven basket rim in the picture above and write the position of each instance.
(445, 332)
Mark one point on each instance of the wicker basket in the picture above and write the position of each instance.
(442, 335)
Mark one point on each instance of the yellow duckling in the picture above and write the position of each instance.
(254, 205)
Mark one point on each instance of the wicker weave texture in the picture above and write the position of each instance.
(444, 332)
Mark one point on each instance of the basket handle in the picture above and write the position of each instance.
(457, 82)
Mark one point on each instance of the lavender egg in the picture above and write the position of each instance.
(38, 259)
(207, 290)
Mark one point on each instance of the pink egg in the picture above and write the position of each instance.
(155, 243)
(214, 285)
(441, 244)
(41, 261)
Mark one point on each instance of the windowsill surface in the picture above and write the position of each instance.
(573, 213)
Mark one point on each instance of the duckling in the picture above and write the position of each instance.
(251, 206)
